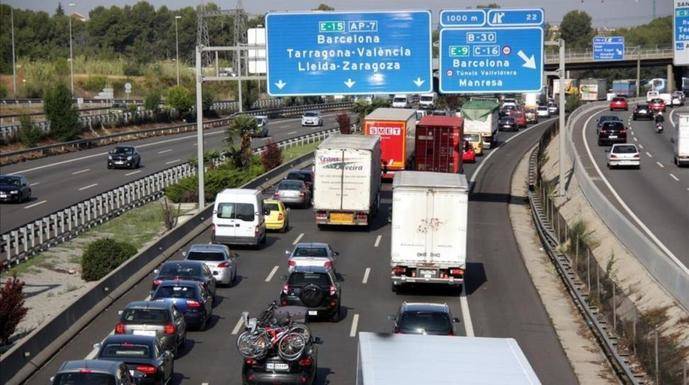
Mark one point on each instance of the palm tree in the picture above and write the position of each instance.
(242, 126)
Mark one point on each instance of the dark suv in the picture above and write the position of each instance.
(315, 288)
(275, 370)
(94, 372)
(124, 156)
(425, 318)
(14, 188)
(305, 176)
(612, 132)
(642, 111)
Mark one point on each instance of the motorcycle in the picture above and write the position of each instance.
(659, 127)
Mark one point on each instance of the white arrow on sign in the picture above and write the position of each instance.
(349, 83)
(529, 62)
(419, 82)
(280, 84)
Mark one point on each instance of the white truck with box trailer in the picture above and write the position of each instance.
(481, 117)
(347, 180)
(680, 141)
(592, 90)
(413, 359)
(429, 228)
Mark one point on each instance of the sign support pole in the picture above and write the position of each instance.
(199, 129)
(563, 137)
(638, 70)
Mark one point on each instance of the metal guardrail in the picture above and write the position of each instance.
(21, 243)
(630, 53)
(59, 148)
(670, 273)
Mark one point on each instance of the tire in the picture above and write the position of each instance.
(312, 295)
(291, 346)
(336, 316)
(253, 345)
(394, 288)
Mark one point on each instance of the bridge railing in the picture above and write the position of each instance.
(630, 53)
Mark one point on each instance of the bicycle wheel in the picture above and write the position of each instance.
(291, 346)
(301, 329)
(251, 345)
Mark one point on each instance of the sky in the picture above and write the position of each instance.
(605, 13)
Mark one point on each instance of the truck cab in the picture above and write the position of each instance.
(400, 101)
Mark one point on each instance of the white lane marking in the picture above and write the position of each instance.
(298, 238)
(641, 146)
(88, 187)
(34, 184)
(635, 139)
(660, 165)
(272, 273)
(674, 177)
(648, 154)
(466, 317)
(133, 172)
(355, 323)
(624, 205)
(81, 171)
(238, 326)
(378, 240)
(164, 151)
(35, 204)
(291, 133)
(366, 274)
(172, 161)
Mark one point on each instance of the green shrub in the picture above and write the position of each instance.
(95, 83)
(59, 110)
(132, 69)
(3, 91)
(103, 256)
(29, 134)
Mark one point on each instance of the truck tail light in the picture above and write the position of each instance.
(613, 156)
(291, 262)
(361, 216)
(250, 361)
(399, 270)
(276, 195)
(321, 214)
(328, 265)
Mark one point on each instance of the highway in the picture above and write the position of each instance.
(62, 180)
(500, 299)
(656, 197)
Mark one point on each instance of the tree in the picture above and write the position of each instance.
(103, 256)
(180, 99)
(241, 127)
(576, 30)
(29, 134)
(207, 100)
(324, 7)
(345, 123)
(272, 156)
(62, 114)
(12, 310)
(152, 101)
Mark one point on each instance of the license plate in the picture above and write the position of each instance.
(612, 136)
(342, 217)
(119, 162)
(277, 366)
(150, 333)
(313, 312)
(426, 273)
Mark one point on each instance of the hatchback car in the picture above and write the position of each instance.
(261, 130)
(542, 111)
(619, 103)
(507, 123)
(612, 132)
(143, 354)
(531, 116)
(624, 155)
(93, 372)
(312, 254)
(315, 288)
(124, 156)
(657, 104)
(190, 297)
(14, 188)
(293, 192)
(278, 215)
(305, 176)
(189, 270)
(642, 111)
(519, 118)
(606, 118)
(157, 319)
(218, 258)
(311, 118)
(275, 370)
(468, 154)
(425, 318)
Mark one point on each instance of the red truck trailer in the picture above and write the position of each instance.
(439, 144)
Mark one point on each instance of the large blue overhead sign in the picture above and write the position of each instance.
(680, 35)
(338, 53)
(491, 51)
(607, 48)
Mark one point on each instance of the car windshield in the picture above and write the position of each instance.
(310, 252)
(125, 350)
(426, 99)
(624, 149)
(542, 108)
(241, 211)
(271, 206)
(290, 185)
(472, 137)
(414, 321)
(299, 278)
(299, 176)
(214, 256)
(175, 291)
(123, 150)
(508, 120)
(9, 180)
(399, 100)
(618, 100)
(181, 270)
(146, 316)
(310, 114)
(84, 379)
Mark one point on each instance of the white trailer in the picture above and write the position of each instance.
(408, 359)
(429, 228)
(347, 180)
(593, 89)
(680, 141)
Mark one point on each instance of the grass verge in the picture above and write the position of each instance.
(295, 152)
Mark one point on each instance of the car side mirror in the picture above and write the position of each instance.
(455, 320)
(336, 253)
(97, 345)
(284, 277)
(119, 312)
(391, 317)
(156, 271)
(235, 255)
(287, 252)
(184, 253)
(317, 340)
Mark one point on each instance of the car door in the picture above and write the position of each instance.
(208, 278)
(248, 216)
(224, 220)
(180, 324)
(207, 299)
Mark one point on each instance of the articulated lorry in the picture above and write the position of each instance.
(680, 141)
(592, 90)
(413, 359)
(429, 228)
(626, 88)
(439, 144)
(397, 130)
(481, 117)
(347, 180)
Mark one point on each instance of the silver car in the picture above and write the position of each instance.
(311, 118)
(221, 262)
(624, 155)
(312, 254)
(154, 318)
(293, 192)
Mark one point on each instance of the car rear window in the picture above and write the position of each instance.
(176, 291)
(146, 316)
(84, 379)
(642, 106)
(241, 211)
(311, 252)
(437, 322)
(303, 278)
(299, 176)
(271, 206)
(181, 270)
(624, 150)
(618, 99)
(290, 185)
(125, 351)
(613, 126)
(206, 256)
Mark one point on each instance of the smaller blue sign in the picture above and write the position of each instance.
(463, 18)
(515, 17)
(680, 35)
(608, 48)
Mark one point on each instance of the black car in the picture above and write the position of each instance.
(275, 370)
(124, 157)
(606, 118)
(507, 123)
(612, 132)
(314, 287)
(190, 270)
(143, 354)
(14, 188)
(94, 372)
(305, 176)
(425, 318)
(642, 111)
(190, 297)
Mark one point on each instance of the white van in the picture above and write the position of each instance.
(400, 101)
(238, 217)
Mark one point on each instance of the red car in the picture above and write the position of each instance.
(657, 104)
(519, 117)
(619, 104)
(468, 154)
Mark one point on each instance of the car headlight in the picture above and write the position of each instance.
(109, 157)
(14, 192)
(129, 158)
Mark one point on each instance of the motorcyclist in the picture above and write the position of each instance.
(659, 119)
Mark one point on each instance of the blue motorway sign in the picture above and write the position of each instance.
(608, 48)
(348, 53)
(680, 36)
(486, 60)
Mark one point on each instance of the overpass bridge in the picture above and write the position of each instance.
(583, 60)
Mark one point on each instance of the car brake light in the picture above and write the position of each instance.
(456, 272)
(613, 156)
(276, 195)
(301, 194)
(291, 262)
(285, 289)
(148, 370)
(169, 329)
(193, 304)
(306, 361)
(361, 215)
(328, 264)
(224, 264)
(396, 330)
(281, 216)
(119, 328)
(85, 371)
(333, 289)
(156, 282)
(636, 156)
(399, 270)
(250, 361)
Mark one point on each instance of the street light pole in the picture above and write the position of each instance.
(14, 64)
(71, 52)
(177, 47)
(563, 130)
(199, 129)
